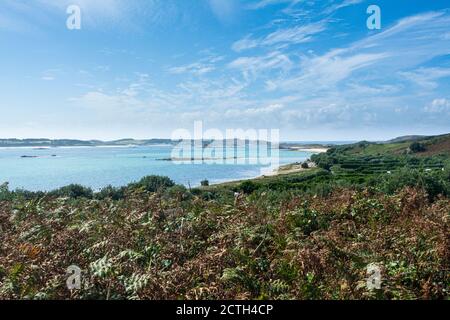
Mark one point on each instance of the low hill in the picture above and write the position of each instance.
(78, 143)
(406, 139)
(415, 145)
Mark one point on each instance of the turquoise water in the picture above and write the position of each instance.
(97, 167)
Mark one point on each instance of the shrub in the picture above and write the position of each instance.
(305, 165)
(178, 192)
(5, 194)
(204, 183)
(323, 160)
(73, 191)
(248, 187)
(434, 183)
(153, 183)
(416, 147)
(111, 193)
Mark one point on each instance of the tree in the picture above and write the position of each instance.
(416, 147)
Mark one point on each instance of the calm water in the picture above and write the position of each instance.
(98, 167)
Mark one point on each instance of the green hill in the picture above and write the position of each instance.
(432, 145)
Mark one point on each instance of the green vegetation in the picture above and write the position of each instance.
(305, 235)
(417, 147)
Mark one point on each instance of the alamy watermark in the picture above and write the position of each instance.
(229, 147)
(374, 20)
(73, 281)
(73, 22)
(373, 281)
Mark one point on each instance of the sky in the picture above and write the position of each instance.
(145, 68)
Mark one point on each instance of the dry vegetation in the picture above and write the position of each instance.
(267, 245)
(304, 235)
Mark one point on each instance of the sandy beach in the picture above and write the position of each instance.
(314, 150)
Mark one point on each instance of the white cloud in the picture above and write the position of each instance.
(254, 112)
(50, 74)
(343, 4)
(245, 44)
(202, 67)
(426, 77)
(441, 106)
(292, 35)
(265, 3)
(225, 10)
(324, 72)
(410, 42)
(193, 68)
(251, 66)
(99, 14)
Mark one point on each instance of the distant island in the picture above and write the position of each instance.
(49, 143)
(80, 143)
(292, 146)
(55, 143)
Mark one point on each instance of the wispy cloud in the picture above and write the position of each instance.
(251, 66)
(284, 65)
(427, 78)
(439, 106)
(225, 10)
(292, 35)
(260, 4)
(99, 14)
(408, 43)
(341, 87)
(340, 5)
(199, 68)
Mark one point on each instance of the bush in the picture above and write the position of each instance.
(204, 183)
(153, 183)
(416, 147)
(73, 191)
(5, 194)
(28, 195)
(323, 160)
(178, 192)
(433, 183)
(111, 193)
(248, 187)
(305, 165)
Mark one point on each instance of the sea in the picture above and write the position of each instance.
(45, 169)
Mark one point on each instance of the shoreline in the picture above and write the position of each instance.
(313, 150)
(284, 169)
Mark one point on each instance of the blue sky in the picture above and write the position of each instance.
(143, 69)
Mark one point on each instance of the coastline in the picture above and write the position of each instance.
(313, 150)
(282, 169)
(295, 167)
(290, 166)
